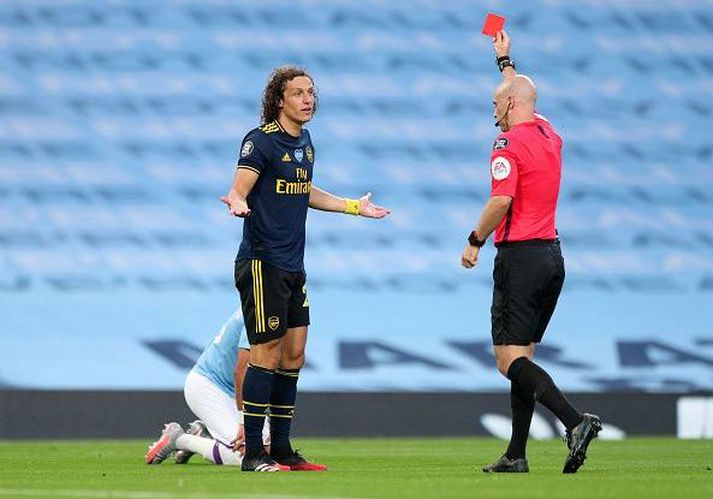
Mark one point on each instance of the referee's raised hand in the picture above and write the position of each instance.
(501, 44)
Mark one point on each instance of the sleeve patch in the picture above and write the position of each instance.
(247, 149)
(500, 168)
(501, 143)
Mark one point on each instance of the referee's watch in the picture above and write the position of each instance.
(504, 62)
(473, 240)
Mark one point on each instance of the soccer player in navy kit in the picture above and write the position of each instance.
(272, 191)
(525, 169)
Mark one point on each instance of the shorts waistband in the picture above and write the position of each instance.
(529, 242)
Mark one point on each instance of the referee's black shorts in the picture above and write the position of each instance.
(528, 279)
(272, 299)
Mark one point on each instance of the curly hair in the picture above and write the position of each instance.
(275, 90)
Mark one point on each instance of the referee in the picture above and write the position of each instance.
(525, 169)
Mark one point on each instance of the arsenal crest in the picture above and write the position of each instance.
(273, 322)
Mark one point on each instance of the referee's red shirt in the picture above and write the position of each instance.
(526, 165)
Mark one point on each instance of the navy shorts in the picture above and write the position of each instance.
(272, 300)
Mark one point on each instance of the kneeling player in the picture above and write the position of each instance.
(210, 392)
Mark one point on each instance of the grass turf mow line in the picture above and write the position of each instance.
(424, 468)
(140, 494)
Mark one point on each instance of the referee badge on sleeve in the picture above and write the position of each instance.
(500, 168)
(501, 143)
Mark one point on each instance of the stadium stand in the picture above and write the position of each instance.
(119, 130)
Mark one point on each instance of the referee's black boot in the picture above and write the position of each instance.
(507, 465)
(578, 440)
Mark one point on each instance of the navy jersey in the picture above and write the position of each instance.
(275, 230)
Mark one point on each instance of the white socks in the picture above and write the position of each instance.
(210, 449)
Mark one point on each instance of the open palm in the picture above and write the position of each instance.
(369, 209)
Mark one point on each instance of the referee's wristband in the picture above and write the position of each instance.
(506, 63)
(352, 207)
(474, 240)
(242, 417)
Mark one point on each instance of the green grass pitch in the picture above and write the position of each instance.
(422, 468)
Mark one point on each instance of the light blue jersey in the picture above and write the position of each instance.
(217, 362)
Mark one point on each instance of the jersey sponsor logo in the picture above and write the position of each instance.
(501, 143)
(273, 322)
(310, 154)
(247, 149)
(284, 187)
(500, 168)
(286, 158)
(299, 154)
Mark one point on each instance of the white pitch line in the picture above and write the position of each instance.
(126, 494)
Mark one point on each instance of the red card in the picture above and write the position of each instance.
(493, 24)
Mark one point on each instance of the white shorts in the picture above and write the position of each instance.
(216, 409)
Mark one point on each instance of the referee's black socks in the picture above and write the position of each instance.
(282, 407)
(257, 388)
(534, 382)
(522, 408)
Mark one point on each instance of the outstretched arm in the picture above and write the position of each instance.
(236, 199)
(322, 200)
(501, 45)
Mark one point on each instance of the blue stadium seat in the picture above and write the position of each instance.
(119, 130)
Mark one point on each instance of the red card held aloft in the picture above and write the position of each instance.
(493, 24)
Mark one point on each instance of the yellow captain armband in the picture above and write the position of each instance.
(352, 207)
